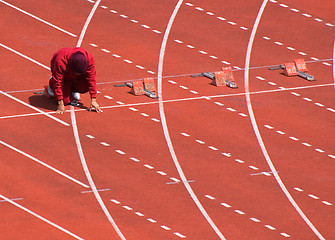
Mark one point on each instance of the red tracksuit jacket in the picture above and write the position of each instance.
(64, 80)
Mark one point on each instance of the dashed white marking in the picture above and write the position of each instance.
(161, 173)
(330, 109)
(135, 159)
(115, 201)
(199, 8)
(173, 82)
(307, 99)
(295, 94)
(319, 150)
(93, 45)
(123, 16)
(270, 227)
(239, 161)
(140, 67)
(145, 26)
(139, 214)
(174, 179)
(210, 13)
(151, 220)
(330, 25)
(281, 132)
(104, 7)
(90, 136)
(194, 92)
(178, 41)
(155, 119)
(283, 5)
(291, 48)
(218, 103)
(151, 72)
(199, 141)
(332, 156)
(119, 102)
(127, 61)
(302, 53)
(189, 4)
(239, 212)
(113, 11)
(210, 197)
(298, 189)
(214, 57)
(127, 208)
(243, 114)
(306, 144)
(179, 235)
(255, 220)
(325, 63)
(213, 148)
(115, 55)
(266, 38)
(133, 109)
(165, 228)
(272, 83)
(294, 10)
(105, 144)
(319, 104)
(134, 21)
(253, 167)
(185, 134)
(306, 15)
(203, 52)
(315, 59)
(231, 109)
(148, 166)
(183, 87)
(285, 234)
(120, 152)
(225, 62)
(294, 138)
(232, 23)
(268, 126)
(108, 97)
(327, 203)
(279, 43)
(313, 196)
(260, 78)
(144, 115)
(221, 18)
(244, 28)
(156, 31)
(225, 205)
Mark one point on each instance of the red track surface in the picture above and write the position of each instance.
(126, 147)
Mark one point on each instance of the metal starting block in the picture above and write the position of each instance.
(296, 68)
(220, 78)
(141, 87)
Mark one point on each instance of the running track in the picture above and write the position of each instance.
(201, 162)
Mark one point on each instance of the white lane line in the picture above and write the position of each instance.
(165, 128)
(41, 218)
(255, 125)
(39, 19)
(24, 56)
(78, 143)
(35, 108)
(44, 164)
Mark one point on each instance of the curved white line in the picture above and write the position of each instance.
(78, 143)
(255, 126)
(334, 63)
(166, 130)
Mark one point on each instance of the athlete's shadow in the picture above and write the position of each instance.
(40, 101)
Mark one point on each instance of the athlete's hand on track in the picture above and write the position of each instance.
(61, 108)
(95, 106)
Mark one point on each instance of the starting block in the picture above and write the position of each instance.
(220, 78)
(44, 92)
(141, 87)
(296, 68)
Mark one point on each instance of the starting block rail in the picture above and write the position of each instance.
(296, 68)
(220, 78)
(141, 87)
